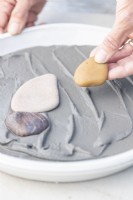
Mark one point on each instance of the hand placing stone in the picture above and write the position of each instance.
(39, 94)
(26, 124)
(90, 73)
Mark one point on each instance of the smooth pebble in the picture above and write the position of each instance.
(26, 124)
(39, 94)
(91, 73)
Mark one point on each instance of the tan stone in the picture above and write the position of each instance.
(91, 73)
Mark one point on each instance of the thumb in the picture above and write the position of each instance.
(19, 17)
(111, 44)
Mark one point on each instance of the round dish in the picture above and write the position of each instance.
(60, 34)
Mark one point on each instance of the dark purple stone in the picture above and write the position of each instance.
(26, 123)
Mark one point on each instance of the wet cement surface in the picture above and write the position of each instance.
(89, 122)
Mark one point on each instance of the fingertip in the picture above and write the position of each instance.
(111, 75)
(101, 56)
(18, 18)
(14, 28)
(116, 73)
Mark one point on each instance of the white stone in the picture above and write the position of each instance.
(39, 94)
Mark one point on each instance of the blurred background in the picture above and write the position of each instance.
(93, 12)
(91, 6)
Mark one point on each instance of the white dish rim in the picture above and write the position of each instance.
(64, 171)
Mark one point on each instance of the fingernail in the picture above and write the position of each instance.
(101, 56)
(14, 28)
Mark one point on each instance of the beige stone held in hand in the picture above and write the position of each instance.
(90, 73)
(39, 94)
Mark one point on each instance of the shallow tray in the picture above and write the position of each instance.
(60, 34)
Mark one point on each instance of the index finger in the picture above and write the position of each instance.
(5, 12)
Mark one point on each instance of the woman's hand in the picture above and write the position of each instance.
(121, 64)
(17, 14)
(120, 61)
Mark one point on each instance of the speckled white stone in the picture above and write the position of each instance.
(39, 94)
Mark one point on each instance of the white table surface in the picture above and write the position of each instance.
(115, 187)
